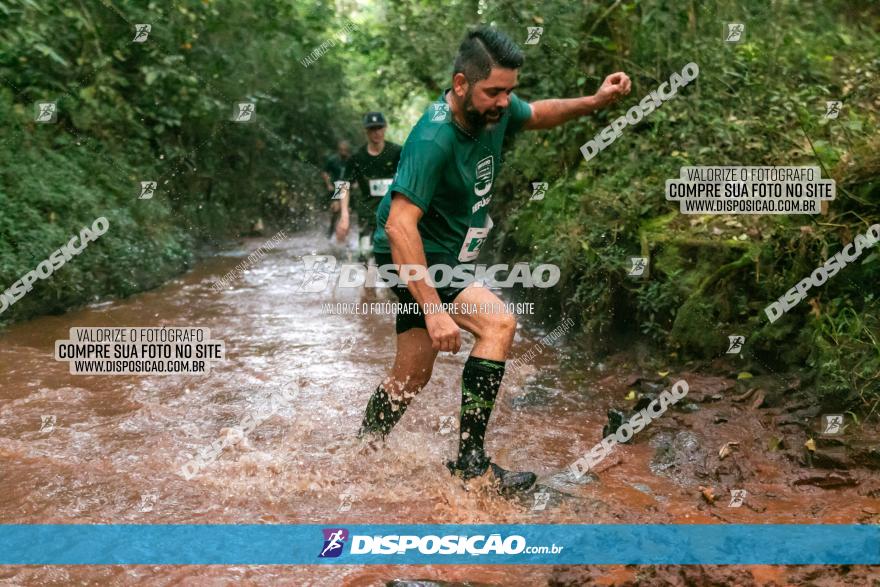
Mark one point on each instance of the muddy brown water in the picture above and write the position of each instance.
(118, 442)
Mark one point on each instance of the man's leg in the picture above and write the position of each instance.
(365, 247)
(494, 330)
(335, 213)
(412, 369)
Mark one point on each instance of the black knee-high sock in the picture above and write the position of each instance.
(479, 386)
(382, 413)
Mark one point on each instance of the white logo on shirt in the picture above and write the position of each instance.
(485, 174)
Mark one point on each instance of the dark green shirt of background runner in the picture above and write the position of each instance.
(438, 173)
(361, 168)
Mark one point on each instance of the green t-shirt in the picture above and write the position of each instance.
(373, 175)
(450, 174)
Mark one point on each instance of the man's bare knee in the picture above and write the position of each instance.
(507, 323)
(496, 326)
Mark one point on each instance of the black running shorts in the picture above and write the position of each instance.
(406, 321)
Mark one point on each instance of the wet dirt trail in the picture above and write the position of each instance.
(118, 442)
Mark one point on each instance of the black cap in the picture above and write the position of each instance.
(374, 120)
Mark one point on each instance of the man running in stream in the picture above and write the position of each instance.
(372, 167)
(435, 212)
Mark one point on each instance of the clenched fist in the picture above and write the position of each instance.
(615, 85)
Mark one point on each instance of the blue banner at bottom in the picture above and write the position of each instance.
(496, 544)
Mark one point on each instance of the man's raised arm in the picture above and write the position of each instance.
(550, 113)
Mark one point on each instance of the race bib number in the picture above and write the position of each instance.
(473, 240)
(379, 187)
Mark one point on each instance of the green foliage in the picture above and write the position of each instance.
(846, 353)
(759, 102)
(161, 111)
(658, 301)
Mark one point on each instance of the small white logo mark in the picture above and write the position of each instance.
(46, 112)
(340, 188)
(534, 35)
(447, 424)
(141, 32)
(539, 188)
(148, 188)
(735, 32)
(736, 344)
(832, 424)
(439, 112)
(639, 264)
(832, 109)
(541, 500)
(244, 112)
(47, 423)
(737, 498)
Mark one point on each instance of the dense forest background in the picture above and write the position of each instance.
(161, 110)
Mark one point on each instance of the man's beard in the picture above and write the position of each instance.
(477, 121)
